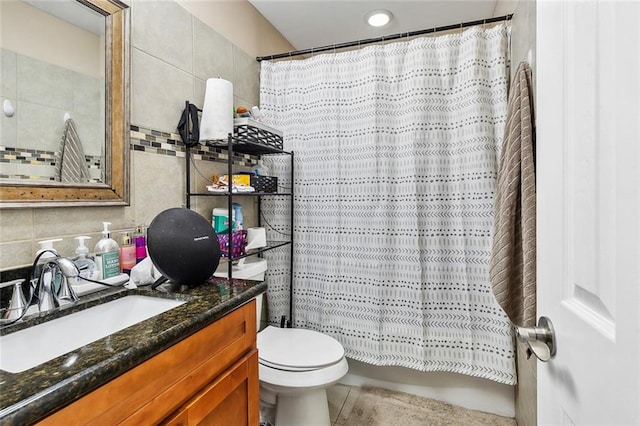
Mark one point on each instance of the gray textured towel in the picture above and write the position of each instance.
(71, 165)
(513, 260)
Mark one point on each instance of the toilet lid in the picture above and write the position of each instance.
(297, 349)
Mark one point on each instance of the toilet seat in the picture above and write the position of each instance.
(284, 382)
(297, 349)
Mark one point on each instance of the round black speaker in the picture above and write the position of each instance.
(183, 246)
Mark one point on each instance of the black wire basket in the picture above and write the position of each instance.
(264, 183)
(251, 131)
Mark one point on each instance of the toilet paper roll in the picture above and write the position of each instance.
(256, 238)
(217, 110)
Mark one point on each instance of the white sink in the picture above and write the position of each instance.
(35, 345)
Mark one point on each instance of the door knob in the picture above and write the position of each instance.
(540, 340)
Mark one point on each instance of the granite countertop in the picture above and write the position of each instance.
(31, 395)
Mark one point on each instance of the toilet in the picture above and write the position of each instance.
(296, 366)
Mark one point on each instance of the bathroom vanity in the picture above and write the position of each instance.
(194, 364)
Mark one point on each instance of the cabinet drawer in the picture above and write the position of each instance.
(149, 392)
(231, 400)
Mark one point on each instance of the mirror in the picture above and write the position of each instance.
(64, 97)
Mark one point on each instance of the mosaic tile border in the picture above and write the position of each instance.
(140, 139)
(25, 158)
(163, 143)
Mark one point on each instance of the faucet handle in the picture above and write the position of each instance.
(18, 304)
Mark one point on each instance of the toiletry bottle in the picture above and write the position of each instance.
(237, 217)
(140, 243)
(84, 263)
(44, 253)
(127, 253)
(107, 254)
(260, 169)
(47, 252)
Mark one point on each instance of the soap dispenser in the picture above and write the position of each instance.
(45, 253)
(84, 263)
(107, 254)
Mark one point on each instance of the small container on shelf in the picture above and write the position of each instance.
(249, 130)
(264, 183)
(239, 243)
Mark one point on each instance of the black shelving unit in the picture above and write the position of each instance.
(241, 143)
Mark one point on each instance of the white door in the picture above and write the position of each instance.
(588, 180)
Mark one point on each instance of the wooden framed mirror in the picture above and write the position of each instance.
(112, 186)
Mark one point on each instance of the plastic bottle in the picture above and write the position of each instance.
(107, 254)
(44, 253)
(140, 243)
(220, 220)
(237, 217)
(84, 263)
(127, 253)
(46, 250)
(260, 169)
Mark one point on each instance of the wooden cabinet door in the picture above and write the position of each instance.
(230, 400)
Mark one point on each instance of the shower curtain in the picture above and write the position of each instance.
(396, 151)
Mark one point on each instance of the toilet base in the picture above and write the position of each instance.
(267, 413)
(305, 408)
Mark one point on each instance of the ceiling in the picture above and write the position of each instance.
(315, 23)
(72, 12)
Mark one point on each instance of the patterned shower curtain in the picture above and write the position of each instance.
(396, 151)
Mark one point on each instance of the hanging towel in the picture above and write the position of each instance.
(513, 259)
(71, 165)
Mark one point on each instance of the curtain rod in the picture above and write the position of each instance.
(383, 38)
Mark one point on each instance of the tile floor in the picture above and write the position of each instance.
(341, 399)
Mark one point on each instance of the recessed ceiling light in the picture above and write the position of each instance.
(378, 18)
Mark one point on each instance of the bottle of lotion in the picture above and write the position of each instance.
(140, 242)
(107, 254)
(127, 253)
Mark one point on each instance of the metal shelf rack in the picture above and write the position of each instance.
(239, 142)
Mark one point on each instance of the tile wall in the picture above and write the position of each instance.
(172, 54)
(42, 93)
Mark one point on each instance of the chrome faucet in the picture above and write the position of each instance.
(43, 291)
(48, 297)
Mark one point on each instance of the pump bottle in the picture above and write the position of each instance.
(44, 253)
(84, 263)
(107, 254)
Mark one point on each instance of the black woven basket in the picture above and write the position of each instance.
(264, 183)
(256, 135)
